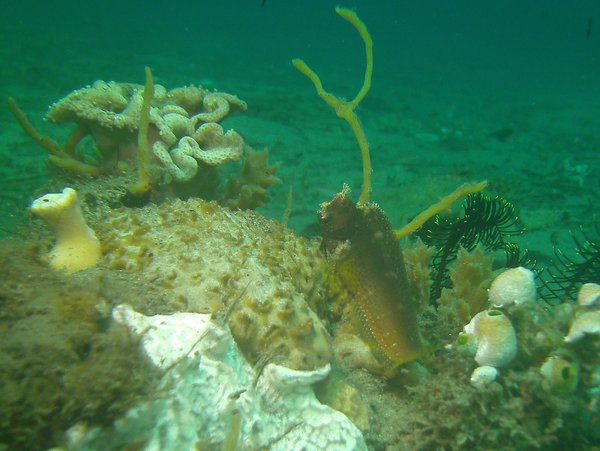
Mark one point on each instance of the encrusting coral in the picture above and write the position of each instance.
(204, 255)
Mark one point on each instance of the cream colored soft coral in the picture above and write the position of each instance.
(76, 245)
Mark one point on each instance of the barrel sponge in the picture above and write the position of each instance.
(76, 245)
(586, 323)
(589, 295)
(494, 336)
(513, 286)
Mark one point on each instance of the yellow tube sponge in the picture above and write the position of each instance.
(76, 245)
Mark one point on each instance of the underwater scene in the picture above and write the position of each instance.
(300, 225)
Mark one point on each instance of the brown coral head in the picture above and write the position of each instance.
(338, 218)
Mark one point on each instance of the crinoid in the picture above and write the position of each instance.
(488, 221)
(569, 273)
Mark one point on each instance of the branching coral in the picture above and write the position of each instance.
(61, 156)
(144, 156)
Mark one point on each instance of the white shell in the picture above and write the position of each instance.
(513, 286)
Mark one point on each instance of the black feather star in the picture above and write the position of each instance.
(488, 221)
(568, 273)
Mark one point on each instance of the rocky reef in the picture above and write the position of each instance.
(184, 320)
(257, 303)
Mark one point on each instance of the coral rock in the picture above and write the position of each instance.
(204, 257)
(212, 398)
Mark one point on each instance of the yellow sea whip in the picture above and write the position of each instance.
(345, 108)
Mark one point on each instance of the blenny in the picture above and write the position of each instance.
(367, 258)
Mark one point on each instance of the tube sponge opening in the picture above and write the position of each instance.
(495, 337)
(76, 245)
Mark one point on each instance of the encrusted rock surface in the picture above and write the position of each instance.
(213, 399)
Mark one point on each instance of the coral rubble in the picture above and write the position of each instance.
(211, 397)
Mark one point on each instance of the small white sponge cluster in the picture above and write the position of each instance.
(560, 373)
(490, 335)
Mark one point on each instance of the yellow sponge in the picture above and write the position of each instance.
(76, 245)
